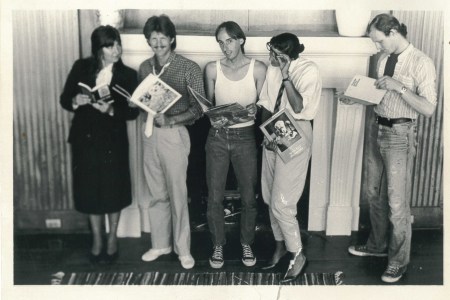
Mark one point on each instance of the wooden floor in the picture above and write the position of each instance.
(37, 256)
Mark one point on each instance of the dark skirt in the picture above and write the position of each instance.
(101, 177)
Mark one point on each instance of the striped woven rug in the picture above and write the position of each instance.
(190, 278)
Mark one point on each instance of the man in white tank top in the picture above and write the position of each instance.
(234, 78)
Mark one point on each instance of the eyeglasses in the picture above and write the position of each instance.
(270, 48)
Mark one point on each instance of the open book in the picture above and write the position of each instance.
(97, 93)
(154, 95)
(363, 90)
(228, 114)
(283, 128)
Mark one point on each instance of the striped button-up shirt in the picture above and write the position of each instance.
(180, 73)
(416, 71)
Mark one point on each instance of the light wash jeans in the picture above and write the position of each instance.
(389, 194)
(237, 145)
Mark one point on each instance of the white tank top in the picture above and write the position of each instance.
(241, 91)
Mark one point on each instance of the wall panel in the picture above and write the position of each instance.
(425, 31)
(45, 45)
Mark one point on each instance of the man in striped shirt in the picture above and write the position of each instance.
(409, 77)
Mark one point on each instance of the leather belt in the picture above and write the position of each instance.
(389, 122)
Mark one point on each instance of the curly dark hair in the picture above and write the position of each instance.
(287, 43)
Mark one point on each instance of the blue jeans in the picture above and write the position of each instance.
(237, 145)
(389, 194)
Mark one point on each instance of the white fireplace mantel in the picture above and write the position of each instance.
(339, 58)
(338, 129)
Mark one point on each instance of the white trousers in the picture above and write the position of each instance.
(166, 154)
(282, 186)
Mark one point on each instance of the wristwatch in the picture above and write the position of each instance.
(403, 90)
(287, 78)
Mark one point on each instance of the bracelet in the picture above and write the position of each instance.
(287, 78)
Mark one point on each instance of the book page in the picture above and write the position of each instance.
(154, 95)
(362, 89)
(204, 103)
(229, 114)
(100, 92)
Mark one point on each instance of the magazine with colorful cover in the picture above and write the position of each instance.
(283, 128)
(97, 93)
(362, 90)
(154, 95)
(228, 114)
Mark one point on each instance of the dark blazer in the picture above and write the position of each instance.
(100, 160)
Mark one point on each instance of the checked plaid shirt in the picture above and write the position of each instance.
(179, 74)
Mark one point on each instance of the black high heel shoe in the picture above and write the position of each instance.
(273, 263)
(110, 258)
(291, 275)
(95, 259)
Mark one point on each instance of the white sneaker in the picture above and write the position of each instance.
(153, 254)
(187, 261)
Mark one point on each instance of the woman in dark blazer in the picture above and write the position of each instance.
(98, 138)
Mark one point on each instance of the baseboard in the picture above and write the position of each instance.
(427, 217)
(72, 221)
(423, 218)
(50, 221)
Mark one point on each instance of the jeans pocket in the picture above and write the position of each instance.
(402, 129)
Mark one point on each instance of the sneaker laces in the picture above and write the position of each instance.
(362, 248)
(218, 253)
(392, 270)
(247, 251)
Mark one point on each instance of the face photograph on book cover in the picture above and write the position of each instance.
(283, 132)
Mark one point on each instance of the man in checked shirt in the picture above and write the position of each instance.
(409, 77)
(166, 151)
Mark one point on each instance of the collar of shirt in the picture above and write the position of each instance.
(402, 55)
(169, 60)
(104, 76)
(405, 52)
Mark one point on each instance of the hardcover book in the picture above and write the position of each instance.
(283, 128)
(97, 93)
(228, 114)
(362, 89)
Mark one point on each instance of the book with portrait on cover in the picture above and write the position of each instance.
(154, 95)
(283, 128)
(227, 114)
(362, 89)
